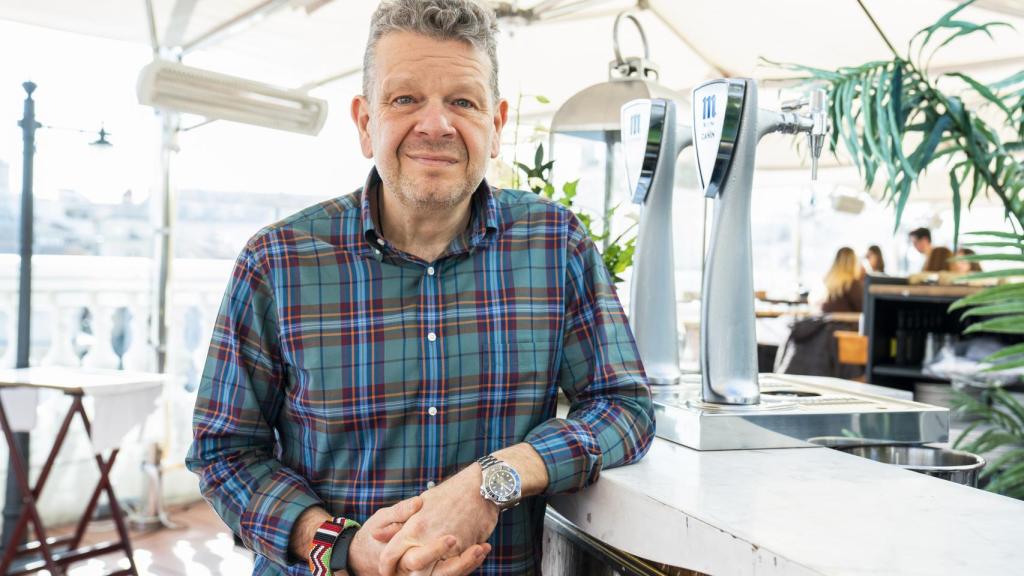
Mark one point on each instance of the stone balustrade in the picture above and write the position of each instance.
(95, 312)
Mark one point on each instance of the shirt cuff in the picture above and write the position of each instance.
(266, 525)
(570, 452)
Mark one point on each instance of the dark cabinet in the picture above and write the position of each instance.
(902, 322)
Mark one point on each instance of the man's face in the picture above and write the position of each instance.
(429, 122)
(921, 244)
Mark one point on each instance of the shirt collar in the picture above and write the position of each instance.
(483, 219)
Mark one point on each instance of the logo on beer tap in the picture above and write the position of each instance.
(709, 107)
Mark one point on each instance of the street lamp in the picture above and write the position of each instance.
(29, 125)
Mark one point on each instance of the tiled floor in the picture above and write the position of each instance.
(202, 546)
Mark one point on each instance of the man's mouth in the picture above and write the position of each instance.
(434, 159)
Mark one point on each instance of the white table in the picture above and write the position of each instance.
(121, 400)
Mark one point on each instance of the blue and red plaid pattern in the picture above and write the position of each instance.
(346, 374)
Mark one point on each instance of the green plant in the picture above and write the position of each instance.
(893, 119)
(891, 116)
(515, 134)
(1004, 417)
(997, 310)
(618, 254)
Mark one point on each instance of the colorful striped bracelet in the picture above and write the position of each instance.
(323, 544)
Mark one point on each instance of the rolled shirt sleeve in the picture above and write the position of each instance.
(611, 418)
(240, 397)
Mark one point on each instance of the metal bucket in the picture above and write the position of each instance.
(952, 465)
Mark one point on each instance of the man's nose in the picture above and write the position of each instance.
(434, 121)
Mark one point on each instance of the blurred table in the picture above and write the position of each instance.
(121, 400)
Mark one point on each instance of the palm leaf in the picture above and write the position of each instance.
(998, 234)
(1008, 365)
(954, 184)
(1005, 352)
(1007, 273)
(996, 309)
(1012, 324)
(1016, 245)
(1015, 78)
(1001, 257)
(983, 90)
(939, 24)
(989, 295)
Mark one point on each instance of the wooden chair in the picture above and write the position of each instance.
(853, 349)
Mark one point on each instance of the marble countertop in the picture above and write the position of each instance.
(797, 511)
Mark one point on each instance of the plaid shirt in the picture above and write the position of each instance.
(350, 375)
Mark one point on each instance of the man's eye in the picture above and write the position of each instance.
(403, 100)
(463, 103)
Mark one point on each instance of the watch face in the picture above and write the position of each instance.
(501, 483)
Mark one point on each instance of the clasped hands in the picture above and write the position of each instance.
(441, 532)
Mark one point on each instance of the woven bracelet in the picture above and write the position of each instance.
(323, 543)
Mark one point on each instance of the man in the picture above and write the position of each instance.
(372, 348)
(921, 238)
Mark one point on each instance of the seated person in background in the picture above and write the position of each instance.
(963, 266)
(938, 260)
(844, 284)
(876, 264)
(921, 238)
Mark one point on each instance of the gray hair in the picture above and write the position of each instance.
(463, 20)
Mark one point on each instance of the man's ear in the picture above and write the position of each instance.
(500, 118)
(361, 117)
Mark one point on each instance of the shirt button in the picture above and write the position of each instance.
(430, 271)
(431, 336)
(432, 411)
(381, 241)
(377, 252)
(430, 485)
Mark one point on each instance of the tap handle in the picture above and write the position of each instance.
(819, 127)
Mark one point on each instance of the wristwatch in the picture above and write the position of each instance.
(501, 483)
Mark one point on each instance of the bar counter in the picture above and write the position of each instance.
(796, 511)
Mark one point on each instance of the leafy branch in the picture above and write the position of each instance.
(1003, 417)
(880, 107)
(618, 254)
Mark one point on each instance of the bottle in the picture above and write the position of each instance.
(901, 338)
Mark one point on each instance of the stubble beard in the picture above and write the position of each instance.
(431, 196)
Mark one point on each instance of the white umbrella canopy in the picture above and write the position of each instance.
(553, 48)
(297, 42)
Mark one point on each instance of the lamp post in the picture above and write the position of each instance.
(12, 500)
(28, 130)
(28, 124)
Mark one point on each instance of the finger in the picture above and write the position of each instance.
(465, 563)
(400, 512)
(393, 552)
(386, 533)
(422, 557)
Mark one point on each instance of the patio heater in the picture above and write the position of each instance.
(586, 142)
